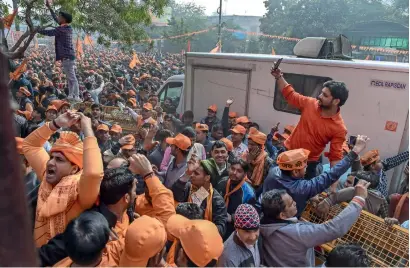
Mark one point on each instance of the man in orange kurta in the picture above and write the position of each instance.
(66, 188)
(320, 122)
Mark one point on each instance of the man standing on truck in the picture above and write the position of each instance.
(320, 121)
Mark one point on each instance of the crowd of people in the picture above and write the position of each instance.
(186, 190)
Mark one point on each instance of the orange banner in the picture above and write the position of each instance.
(8, 20)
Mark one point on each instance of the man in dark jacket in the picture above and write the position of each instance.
(236, 191)
(211, 118)
(195, 186)
(64, 49)
(290, 172)
(288, 242)
(243, 247)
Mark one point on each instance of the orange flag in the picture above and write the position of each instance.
(273, 52)
(8, 20)
(79, 49)
(19, 71)
(217, 49)
(368, 57)
(36, 43)
(134, 61)
(88, 40)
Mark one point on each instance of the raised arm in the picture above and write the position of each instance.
(90, 180)
(315, 186)
(162, 198)
(395, 161)
(34, 151)
(53, 14)
(291, 96)
(225, 117)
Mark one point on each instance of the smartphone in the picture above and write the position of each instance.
(276, 66)
(352, 140)
(356, 180)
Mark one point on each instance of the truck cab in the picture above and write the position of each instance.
(173, 88)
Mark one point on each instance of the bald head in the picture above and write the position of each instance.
(117, 162)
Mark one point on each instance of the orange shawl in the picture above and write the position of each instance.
(229, 193)
(52, 206)
(259, 164)
(208, 210)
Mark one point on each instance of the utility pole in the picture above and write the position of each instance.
(220, 25)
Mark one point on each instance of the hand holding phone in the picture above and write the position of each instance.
(352, 140)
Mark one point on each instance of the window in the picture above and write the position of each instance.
(172, 90)
(307, 85)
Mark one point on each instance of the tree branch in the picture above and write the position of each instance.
(20, 52)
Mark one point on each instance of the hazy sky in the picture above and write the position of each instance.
(231, 7)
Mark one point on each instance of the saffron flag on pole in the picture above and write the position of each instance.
(88, 40)
(79, 49)
(8, 20)
(188, 46)
(36, 43)
(217, 49)
(19, 71)
(134, 61)
(273, 52)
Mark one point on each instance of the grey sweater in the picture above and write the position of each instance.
(291, 244)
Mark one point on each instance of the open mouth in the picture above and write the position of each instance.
(51, 171)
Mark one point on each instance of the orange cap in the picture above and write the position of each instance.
(199, 239)
(131, 93)
(71, 146)
(238, 129)
(228, 143)
(293, 159)
(133, 102)
(233, 114)
(277, 136)
(129, 145)
(116, 128)
(181, 141)
(289, 128)
(19, 145)
(26, 114)
(201, 127)
(370, 157)
(24, 91)
(103, 127)
(242, 120)
(145, 237)
(213, 108)
(59, 104)
(147, 106)
(257, 136)
(51, 107)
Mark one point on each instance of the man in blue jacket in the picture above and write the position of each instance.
(290, 172)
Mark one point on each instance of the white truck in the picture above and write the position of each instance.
(378, 103)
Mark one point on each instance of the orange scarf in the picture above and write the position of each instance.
(52, 207)
(171, 252)
(258, 163)
(237, 187)
(208, 210)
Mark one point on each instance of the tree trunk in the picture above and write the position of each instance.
(16, 243)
